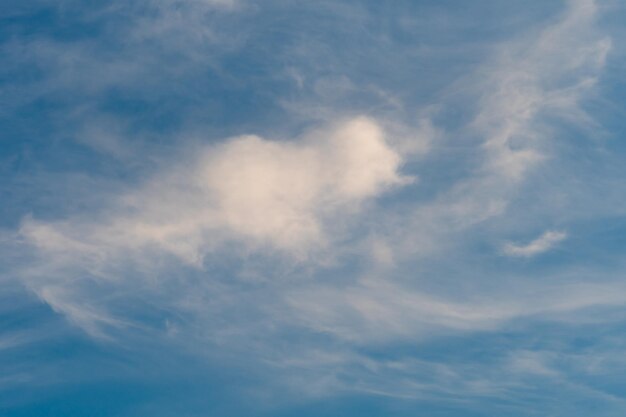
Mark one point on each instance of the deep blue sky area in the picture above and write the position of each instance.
(329, 208)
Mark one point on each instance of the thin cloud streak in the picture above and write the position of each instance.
(543, 243)
(294, 221)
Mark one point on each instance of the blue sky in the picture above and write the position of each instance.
(355, 208)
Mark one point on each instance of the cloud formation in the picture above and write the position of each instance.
(294, 199)
(301, 197)
(280, 195)
(309, 257)
(543, 243)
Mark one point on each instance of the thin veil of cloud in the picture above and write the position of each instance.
(542, 244)
(355, 248)
(295, 198)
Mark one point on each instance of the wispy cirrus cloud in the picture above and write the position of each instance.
(543, 243)
(519, 94)
(310, 257)
(296, 197)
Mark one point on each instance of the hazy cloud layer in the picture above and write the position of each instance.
(248, 186)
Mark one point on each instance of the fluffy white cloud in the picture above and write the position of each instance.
(282, 195)
(280, 192)
(292, 198)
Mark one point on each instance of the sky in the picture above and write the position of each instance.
(318, 208)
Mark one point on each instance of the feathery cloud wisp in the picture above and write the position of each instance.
(543, 243)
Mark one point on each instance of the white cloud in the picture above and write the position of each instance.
(543, 243)
(528, 83)
(300, 197)
(280, 192)
(248, 195)
(154, 41)
(281, 195)
(379, 310)
(296, 197)
(538, 76)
